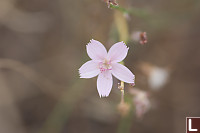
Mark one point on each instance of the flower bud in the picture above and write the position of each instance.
(140, 37)
(113, 2)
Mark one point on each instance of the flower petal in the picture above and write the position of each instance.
(104, 83)
(96, 50)
(118, 52)
(122, 73)
(89, 70)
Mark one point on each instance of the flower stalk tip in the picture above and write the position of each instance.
(111, 2)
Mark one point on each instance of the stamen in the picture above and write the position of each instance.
(105, 66)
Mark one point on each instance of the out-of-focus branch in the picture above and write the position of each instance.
(66, 103)
(10, 116)
(122, 26)
(23, 21)
(43, 83)
(133, 11)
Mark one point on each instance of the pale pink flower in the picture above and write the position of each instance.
(105, 64)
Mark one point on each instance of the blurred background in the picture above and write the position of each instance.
(42, 46)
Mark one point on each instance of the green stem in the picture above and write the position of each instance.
(134, 11)
(122, 27)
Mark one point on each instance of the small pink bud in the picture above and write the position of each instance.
(143, 38)
(140, 37)
(113, 2)
(132, 84)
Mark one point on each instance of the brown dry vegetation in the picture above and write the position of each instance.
(42, 45)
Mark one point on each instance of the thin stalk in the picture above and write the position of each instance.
(122, 28)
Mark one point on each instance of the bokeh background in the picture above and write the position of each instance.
(42, 45)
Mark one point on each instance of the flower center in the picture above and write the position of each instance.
(105, 65)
